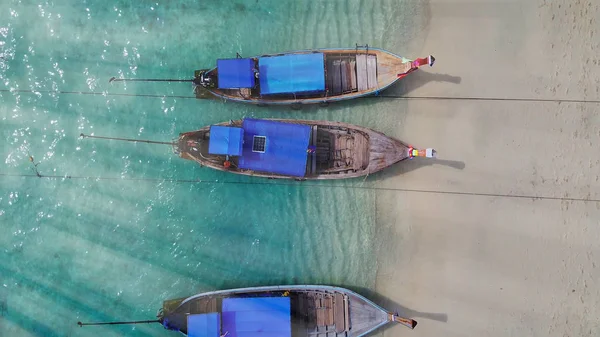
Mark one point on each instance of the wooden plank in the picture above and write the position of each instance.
(313, 156)
(338, 314)
(372, 71)
(329, 78)
(352, 65)
(361, 72)
(359, 146)
(303, 307)
(320, 312)
(329, 310)
(346, 313)
(245, 92)
(336, 77)
(350, 71)
(344, 73)
(312, 318)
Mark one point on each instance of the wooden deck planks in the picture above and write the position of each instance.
(352, 71)
(324, 308)
(350, 151)
(339, 313)
(330, 76)
(328, 82)
(366, 71)
(360, 151)
(341, 75)
(213, 305)
(313, 156)
(320, 312)
(302, 307)
(328, 302)
(203, 305)
(372, 71)
(344, 73)
(336, 77)
(361, 72)
(342, 154)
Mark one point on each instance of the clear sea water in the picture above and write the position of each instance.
(98, 250)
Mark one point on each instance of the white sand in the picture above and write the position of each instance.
(499, 266)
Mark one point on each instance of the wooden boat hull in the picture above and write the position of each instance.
(381, 70)
(371, 151)
(314, 310)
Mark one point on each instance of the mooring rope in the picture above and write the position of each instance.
(303, 184)
(398, 97)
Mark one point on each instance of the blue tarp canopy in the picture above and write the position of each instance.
(283, 149)
(293, 73)
(225, 140)
(235, 73)
(257, 317)
(203, 325)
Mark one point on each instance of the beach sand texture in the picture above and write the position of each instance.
(515, 251)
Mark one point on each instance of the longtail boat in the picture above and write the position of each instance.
(291, 149)
(302, 77)
(275, 311)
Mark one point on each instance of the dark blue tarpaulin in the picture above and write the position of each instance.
(293, 73)
(257, 317)
(225, 140)
(235, 73)
(203, 325)
(285, 147)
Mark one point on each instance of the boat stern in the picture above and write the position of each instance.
(204, 84)
(204, 78)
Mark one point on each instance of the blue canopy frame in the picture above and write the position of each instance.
(284, 151)
(235, 73)
(257, 317)
(292, 73)
(204, 325)
(225, 140)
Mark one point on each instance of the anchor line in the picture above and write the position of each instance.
(302, 184)
(380, 96)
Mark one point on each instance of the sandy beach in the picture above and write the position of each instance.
(502, 236)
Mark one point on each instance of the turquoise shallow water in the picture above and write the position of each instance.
(89, 249)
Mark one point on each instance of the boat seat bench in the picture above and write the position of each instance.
(341, 75)
(340, 312)
(366, 71)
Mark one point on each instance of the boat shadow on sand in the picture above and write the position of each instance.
(388, 304)
(400, 90)
(406, 166)
(417, 80)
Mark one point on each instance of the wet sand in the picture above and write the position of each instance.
(504, 237)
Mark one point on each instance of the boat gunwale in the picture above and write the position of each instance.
(311, 100)
(345, 291)
(365, 172)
